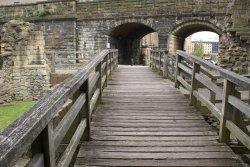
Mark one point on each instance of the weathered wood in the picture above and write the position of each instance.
(238, 133)
(228, 75)
(208, 84)
(93, 82)
(94, 100)
(184, 83)
(82, 162)
(229, 89)
(71, 148)
(68, 119)
(143, 118)
(37, 161)
(194, 84)
(216, 112)
(243, 107)
(48, 146)
(185, 69)
(27, 128)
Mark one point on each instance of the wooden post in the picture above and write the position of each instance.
(45, 144)
(177, 72)
(160, 57)
(85, 89)
(110, 65)
(226, 111)
(165, 66)
(99, 81)
(106, 71)
(212, 96)
(194, 84)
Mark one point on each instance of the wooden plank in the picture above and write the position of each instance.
(150, 124)
(104, 66)
(71, 148)
(132, 143)
(81, 162)
(154, 149)
(215, 111)
(243, 107)
(238, 133)
(194, 84)
(64, 125)
(184, 83)
(227, 109)
(160, 133)
(94, 100)
(153, 138)
(37, 161)
(209, 84)
(166, 155)
(93, 81)
(185, 69)
(103, 80)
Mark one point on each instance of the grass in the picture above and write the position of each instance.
(8, 114)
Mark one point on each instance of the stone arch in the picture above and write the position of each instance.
(126, 36)
(181, 31)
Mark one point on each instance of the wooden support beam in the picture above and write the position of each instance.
(194, 84)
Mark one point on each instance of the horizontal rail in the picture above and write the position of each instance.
(53, 121)
(203, 80)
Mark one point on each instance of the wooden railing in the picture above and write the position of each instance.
(53, 128)
(160, 60)
(224, 93)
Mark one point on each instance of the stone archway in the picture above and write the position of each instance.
(177, 36)
(126, 38)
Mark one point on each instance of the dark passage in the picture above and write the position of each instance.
(126, 38)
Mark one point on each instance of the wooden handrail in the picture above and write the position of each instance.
(35, 128)
(192, 73)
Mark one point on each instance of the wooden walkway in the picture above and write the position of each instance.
(144, 121)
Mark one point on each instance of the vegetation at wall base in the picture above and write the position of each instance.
(8, 114)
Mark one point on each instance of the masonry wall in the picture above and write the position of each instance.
(25, 72)
(29, 11)
(59, 36)
(107, 9)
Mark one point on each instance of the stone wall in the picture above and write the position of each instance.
(59, 36)
(109, 9)
(31, 11)
(25, 73)
(235, 41)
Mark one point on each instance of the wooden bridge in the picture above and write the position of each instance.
(138, 119)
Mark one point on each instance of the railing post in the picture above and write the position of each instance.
(177, 72)
(226, 111)
(212, 96)
(99, 81)
(110, 63)
(106, 71)
(160, 57)
(45, 144)
(85, 88)
(165, 66)
(194, 84)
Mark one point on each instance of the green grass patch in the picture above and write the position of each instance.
(8, 114)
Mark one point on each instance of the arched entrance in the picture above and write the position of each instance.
(126, 38)
(182, 31)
